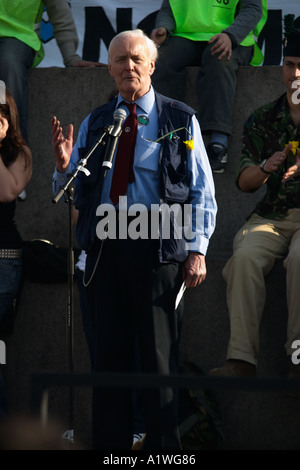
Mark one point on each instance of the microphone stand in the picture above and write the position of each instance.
(68, 190)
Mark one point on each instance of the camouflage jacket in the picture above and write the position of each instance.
(269, 129)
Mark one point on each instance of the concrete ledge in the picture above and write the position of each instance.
(251, 420)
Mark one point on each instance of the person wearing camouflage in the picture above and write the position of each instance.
(270, 157)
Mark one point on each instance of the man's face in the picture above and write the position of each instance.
(291, 73)
(131, 67)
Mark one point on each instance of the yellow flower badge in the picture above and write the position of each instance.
(189, 144)
(295, 146)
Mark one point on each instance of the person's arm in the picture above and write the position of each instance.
(256, 164)
(245, 21)
(247, 18)
(15, 177)
(62, 146)
(194, 269)
(204, 209)
(164, 24)
(66, 156)
(65, 33)
(294, 170)
(253, 177)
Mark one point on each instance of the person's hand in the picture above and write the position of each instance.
(294, 170)
(88, 63)
(194, 269)
(159, 35)
(222, 46)
(62, 146)
(3, 127)
(276, 159)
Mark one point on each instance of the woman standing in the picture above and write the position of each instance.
(15, 173)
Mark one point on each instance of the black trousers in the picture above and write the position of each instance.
(216, 77)
(132, 297)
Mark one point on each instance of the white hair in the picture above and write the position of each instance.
(136, 33)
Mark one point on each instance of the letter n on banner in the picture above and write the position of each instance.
(98, 27)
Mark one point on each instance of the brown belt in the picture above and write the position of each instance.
(10, 253)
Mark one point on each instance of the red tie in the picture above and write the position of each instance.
(123, 169)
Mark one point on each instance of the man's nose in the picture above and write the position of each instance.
(129, 64)
(296, 73)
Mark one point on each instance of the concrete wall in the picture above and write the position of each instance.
(251, 419)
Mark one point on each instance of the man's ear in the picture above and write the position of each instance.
(109, 69)
(152, 67)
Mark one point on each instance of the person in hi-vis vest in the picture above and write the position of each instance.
(218, 36)
(21, 46)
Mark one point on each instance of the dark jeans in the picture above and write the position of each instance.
(216, 81)
(10, 278)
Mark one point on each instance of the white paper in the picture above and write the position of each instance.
(180, 294)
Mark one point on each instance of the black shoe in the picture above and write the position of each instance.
(217, 154)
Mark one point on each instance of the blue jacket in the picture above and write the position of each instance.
(174, 185)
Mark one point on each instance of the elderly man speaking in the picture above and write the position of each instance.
(133, 277)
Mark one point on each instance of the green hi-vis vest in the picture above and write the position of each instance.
(200, 20)
(19, 19)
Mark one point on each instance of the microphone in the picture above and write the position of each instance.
(114, 134)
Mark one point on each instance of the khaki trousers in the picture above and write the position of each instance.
(256, 247)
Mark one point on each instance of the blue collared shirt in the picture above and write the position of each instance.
(145, 188)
